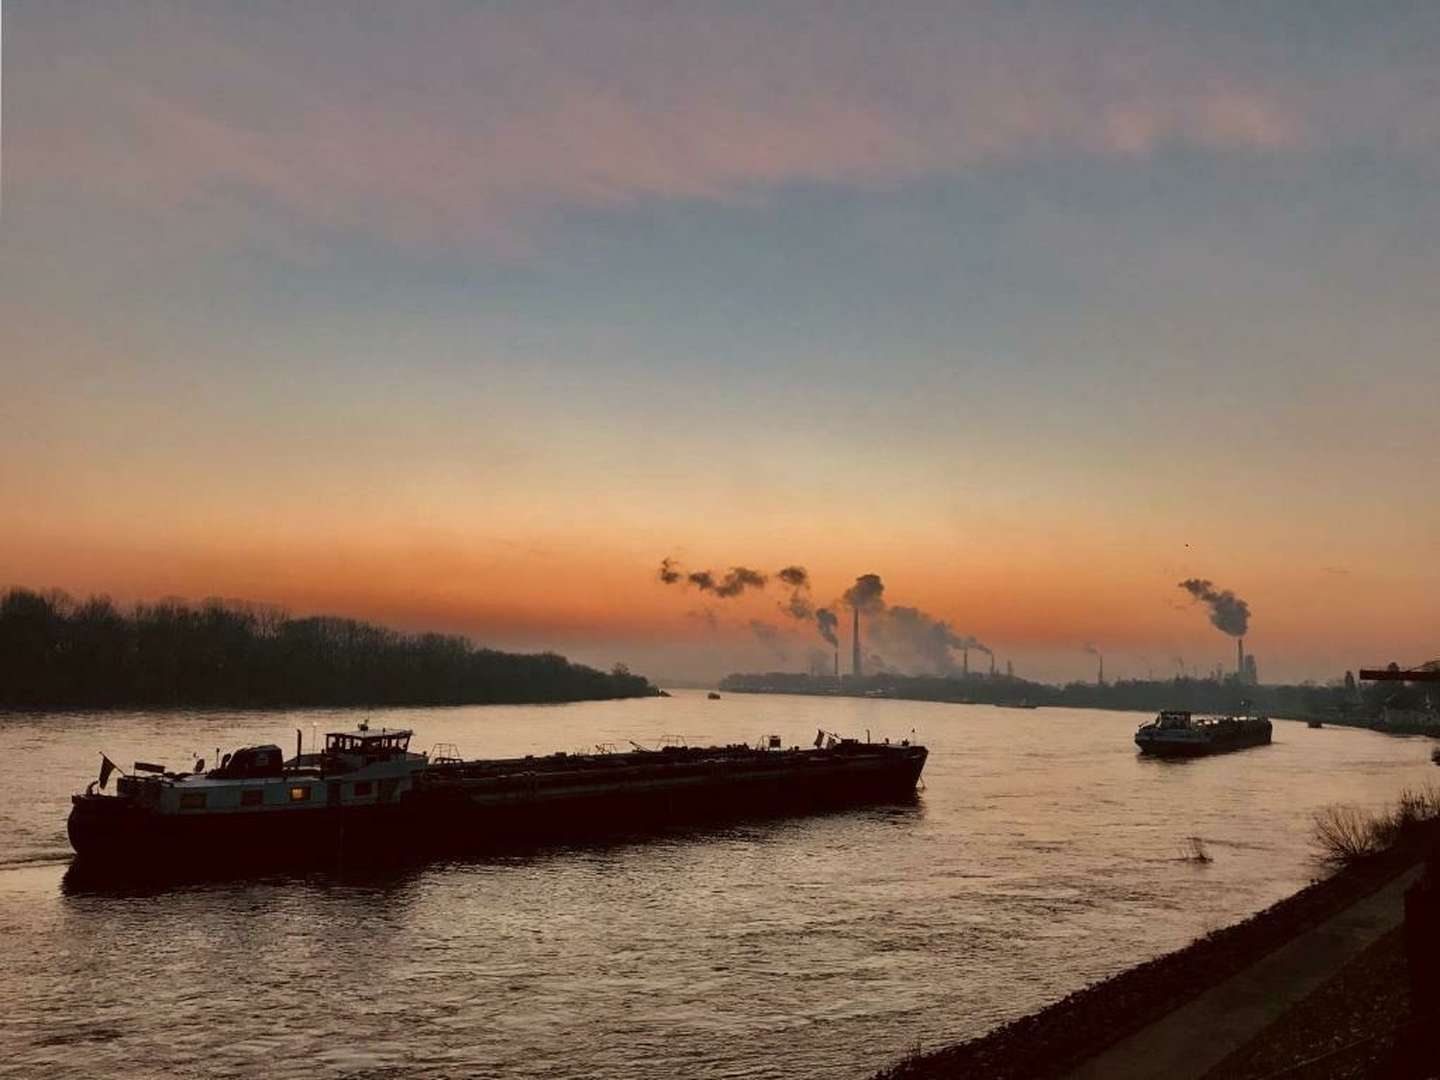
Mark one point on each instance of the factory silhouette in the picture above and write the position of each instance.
(892, 640)
(1246, 671)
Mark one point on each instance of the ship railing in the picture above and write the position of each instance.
(445, 753)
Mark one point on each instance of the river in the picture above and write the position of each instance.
(1043, 854)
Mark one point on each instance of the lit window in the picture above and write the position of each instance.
(252, 797)
(300, 793)
(192, 800)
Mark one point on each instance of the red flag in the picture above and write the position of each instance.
(106, 768)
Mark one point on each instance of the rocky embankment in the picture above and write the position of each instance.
(1056, 1039)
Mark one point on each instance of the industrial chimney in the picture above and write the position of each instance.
(837, 663)
(855, 667)
(1100, 678)
(1240, 659)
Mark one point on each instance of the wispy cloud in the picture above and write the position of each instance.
(471, 123)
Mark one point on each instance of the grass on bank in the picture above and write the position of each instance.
(1346, 834)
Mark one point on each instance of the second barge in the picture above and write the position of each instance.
(1174, 733)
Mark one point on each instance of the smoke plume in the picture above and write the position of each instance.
(797, 577)
(798, 606)
(901, 638)
(916, 641)
(867, 594)
(736, 580)
(1091, 649)
(904, 638)
(968, 642)
(1228, 613)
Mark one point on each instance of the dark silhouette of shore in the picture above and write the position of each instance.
(1397, 707)
(56, 653)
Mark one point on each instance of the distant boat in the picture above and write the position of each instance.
(1314, 723)
(1174, 733)
(713, 696)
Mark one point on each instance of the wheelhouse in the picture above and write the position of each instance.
(371, 745)
(1172, 720)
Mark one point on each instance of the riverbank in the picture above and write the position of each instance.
(1352, 1026)
(1303, 703)
(57, 654)
(1062, 1038)
(1373, 724)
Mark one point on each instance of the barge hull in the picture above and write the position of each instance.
(454, 810)
(1192, 749)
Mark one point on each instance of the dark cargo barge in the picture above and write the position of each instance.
(1174, 733)
(367, 791)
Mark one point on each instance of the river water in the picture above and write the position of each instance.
(1043, 854)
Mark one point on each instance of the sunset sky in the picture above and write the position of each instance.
(462, 316)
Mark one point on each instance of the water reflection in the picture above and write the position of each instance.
(382, 867)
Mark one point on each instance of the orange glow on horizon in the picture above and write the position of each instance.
(517, 595)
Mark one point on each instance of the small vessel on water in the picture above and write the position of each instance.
(1176, 733)
(713, 696)
(1314, 723)
(366, 790)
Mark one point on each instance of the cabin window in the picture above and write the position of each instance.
(300, 793)
(362, 788)
(252, 797)
(192, 800)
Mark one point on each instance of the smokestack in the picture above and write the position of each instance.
(965, 662)
(1100, 678)
(1240, 659)
(855, 666)
(992, 663)
(837, 663)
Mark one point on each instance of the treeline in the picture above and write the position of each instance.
(59, 653)
(1340, 701)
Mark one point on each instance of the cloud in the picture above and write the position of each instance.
(479, 123)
